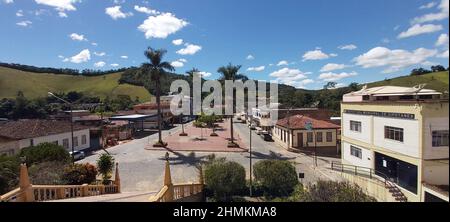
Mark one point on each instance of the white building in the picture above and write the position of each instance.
(400, 133)
(16, 135)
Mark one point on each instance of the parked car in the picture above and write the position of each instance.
(259, 130)
(266, 137)
(78, 155)
(252, 126)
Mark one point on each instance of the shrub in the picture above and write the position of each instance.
(45, 152)
(330, 191)
(9, 174)
(105, 165)
(79, 174)
(276, 177)
(224, 179)
(47, 173)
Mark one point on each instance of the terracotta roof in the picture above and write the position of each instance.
(299, 122)
(24, 129)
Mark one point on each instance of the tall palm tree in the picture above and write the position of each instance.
(231, 72)
(191, 74)
(155, 69)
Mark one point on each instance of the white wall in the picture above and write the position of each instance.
(436, 172)
(366, 128)
(409, 146)
(367, 156)
(433, 124)
(60, 137)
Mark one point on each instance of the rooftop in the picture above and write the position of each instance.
(24, 129)
(394, 90)
(300, 121)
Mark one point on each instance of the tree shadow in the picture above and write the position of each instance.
(271, 156)
(180, 159)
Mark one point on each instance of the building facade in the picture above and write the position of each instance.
(16, 135)
(401, 133)
(294, 134)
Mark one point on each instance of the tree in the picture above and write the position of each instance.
(353, 87)
(44, 152)
(191, 73)
(155, 69)
(330, 85)
(105, 164)
(231, 72)
(224, 178)
(79, 174)
(419, 71)
(437, 68)
(277, 177)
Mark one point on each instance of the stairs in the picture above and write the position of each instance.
(396, 192)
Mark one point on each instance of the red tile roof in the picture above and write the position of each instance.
(299, 122)
(24, 129)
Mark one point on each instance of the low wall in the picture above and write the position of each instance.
(200, 197)
(373, 187)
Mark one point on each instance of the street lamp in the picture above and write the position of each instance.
(71, 121)
(250, 150)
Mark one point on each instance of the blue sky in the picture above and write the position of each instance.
(297, 42)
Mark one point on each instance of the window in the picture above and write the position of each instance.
(66, 143)
(356, 152)
(355, 126)
(83, 140)
(408, 97)
(310, 137)
(75, 141)
(31, 142)
(393, 133)
(382, 98)
(319, 137)
(329, 137)
(426, 97)
(440, 138)
(366, 97)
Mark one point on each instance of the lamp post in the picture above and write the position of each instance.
(250, 150)
(71, 121)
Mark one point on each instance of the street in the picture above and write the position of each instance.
(143, 170)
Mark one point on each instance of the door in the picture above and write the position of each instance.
(300, 140)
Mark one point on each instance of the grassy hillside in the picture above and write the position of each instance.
(437, 81)
(35, 85)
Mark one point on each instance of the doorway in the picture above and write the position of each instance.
(300, 140)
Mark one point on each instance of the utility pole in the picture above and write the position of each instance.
(250, 150)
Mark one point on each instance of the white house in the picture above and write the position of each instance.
(16, 135)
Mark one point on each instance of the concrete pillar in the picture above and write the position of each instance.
(25, 185)
(117, 178)
(201, 179)
(84, 190)
(168, 179)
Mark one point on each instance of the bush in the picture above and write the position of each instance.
(79, 174)
(47, 173)
(330, 191)
(277, 177)
(45, 152)
(9, 174)
(105, 165)
(224, 179)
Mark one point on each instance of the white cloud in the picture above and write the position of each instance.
(442, 40)
(116, 13)
(19, 13)
(8, 1)
(178, 41)
(348, 47)
(419, 29)
(283, 63)
(331, 77)
(428, 6)
(205, 74)
(394, 60)
(100, 54)
(24, 23)
(293, 77)
(177, 64)
(190, 49)
(114, 65)
(81, 57)
(62, 14)
(146, 10)
(124, 57)
(443, 55)
(256, 69)
(332, 66)
(317, 55)
(60, 5)
(94, 44)
(161, 26)
(100, 64)
(77, 37)
(182, 60)
(441, 15)
(250, 57)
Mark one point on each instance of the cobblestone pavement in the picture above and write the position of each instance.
(141, 170)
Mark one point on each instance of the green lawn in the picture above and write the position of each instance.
(35, 85)
(437, 81)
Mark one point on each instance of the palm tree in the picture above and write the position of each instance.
(155, 69)
(231, 72)
(191, 74)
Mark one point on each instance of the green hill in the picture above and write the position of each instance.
(35, 85)
(437, 81)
